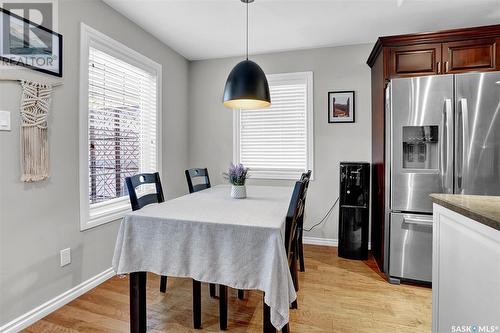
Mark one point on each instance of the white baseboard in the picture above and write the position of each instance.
(320, 241)
(46, 308)
(325, 241)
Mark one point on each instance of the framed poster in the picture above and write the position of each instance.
(341, 106)
(41, 12)
(29, 44)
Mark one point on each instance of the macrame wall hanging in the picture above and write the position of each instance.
(35, 103)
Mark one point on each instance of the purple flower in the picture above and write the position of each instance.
(237, 174)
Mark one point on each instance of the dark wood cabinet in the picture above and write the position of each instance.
(444, 58)
(415, 60)
(431, 53)
(471, 55)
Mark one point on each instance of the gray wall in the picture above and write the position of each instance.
(336, 68)
(38, 220)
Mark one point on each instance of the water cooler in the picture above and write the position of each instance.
(354, 210)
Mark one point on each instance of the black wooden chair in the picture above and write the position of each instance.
(294, 215)
(191, 175)
(295, 211)
(137, 203)
(306, 176)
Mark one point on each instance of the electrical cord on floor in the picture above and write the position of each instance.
(325, 217)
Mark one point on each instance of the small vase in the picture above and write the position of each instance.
(238, 191)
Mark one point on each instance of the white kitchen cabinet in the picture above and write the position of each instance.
(465, 274)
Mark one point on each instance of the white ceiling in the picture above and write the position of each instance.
(202, 29)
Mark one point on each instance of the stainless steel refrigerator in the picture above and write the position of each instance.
(443, 137)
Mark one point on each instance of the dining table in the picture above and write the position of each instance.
(210, 237)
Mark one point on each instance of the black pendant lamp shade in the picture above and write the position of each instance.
(247, 87)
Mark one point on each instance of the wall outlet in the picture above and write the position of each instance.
(65, 257)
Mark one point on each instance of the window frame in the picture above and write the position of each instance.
(114, 209)
(283, 174)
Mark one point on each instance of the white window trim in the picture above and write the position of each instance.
(114, 209)
(282, 174)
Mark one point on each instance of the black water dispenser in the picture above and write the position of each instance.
(354, 210)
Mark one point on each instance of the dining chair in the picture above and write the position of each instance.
(157, 197)
(194, 174)
(191, 176)
(306, 176)
(138, 202)
(295, 210)
(295, 213)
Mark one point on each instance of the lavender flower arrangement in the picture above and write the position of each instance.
(237, 174)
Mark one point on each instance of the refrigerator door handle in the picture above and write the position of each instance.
(408, 219)
(442, 136)
(446, 153)
(463, 160)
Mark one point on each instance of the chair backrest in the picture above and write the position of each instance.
(191, 174)
(142, 179)
(295, 210)
(306, 177)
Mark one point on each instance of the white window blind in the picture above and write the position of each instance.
(276, 142)
(122, 124)
(119, 117)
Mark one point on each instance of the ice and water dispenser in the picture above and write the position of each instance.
(354, 210)
(420, 147)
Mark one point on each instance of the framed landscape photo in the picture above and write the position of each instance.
(341, 106)
(25, 43)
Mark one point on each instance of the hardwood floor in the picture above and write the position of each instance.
(336, 295)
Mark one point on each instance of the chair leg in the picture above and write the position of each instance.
(285, 329)
(294, 272)
(212, 290)
(241, 294)
(197, 304)
(223, 307)
(163, 284)
(301, 252)
(295, 277)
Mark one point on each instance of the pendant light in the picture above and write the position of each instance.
(246, 86)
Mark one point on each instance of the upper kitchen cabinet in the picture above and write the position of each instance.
(444, 58)
(415, 60)
(471, 55)
(442, 52)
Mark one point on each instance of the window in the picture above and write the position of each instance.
(119, 117)
(277, 142)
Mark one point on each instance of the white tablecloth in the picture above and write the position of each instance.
(213, 238)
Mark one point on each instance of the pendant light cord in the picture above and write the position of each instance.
(247, 30)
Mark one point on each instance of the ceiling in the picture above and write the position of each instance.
(203, 29)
